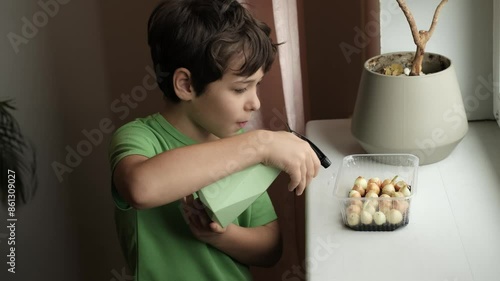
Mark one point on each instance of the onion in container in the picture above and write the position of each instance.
(394, 216)
(379, 218)
(353, 219)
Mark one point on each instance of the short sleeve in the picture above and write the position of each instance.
(133, 138)
(261, 212)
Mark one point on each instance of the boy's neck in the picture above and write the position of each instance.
(176, 116)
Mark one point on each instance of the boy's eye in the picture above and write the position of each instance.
(240, 91)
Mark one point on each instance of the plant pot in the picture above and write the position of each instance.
(421, 115)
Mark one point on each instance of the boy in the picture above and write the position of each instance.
(214, 54)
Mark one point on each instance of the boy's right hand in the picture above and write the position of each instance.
(292, 155)
(202, 227)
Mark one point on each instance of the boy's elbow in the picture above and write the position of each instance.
(135, 183)
(139, 203)
(135, 192)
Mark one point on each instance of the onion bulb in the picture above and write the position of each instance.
(353, 209)
(356, 202)
(398, 194)
(386, 203)
(353, 219)
(385, 209)
(369, 207)
(394, 216)
(399, 185)
(388, 189)
(366, 217)
(406, 191)
(373, 187)
(354, 194)
(401, 205)
(361, 181)
(386, 182)
(359, 189)
(371, 194)
(372, 198)
(376, 181)
(379, 218)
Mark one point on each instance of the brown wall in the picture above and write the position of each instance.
(333, 76)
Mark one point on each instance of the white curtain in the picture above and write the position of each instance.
(282, 101)
(286, 23)
(283, 98)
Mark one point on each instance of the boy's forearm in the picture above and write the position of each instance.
(257, 246)
(174, 174)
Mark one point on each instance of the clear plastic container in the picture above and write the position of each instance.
(382, 166)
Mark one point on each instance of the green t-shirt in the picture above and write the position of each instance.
(157, 242)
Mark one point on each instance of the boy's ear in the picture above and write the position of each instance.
(182, 84)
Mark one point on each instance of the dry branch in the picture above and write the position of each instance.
(420, 37)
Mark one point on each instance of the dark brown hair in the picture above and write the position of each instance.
(204, 36)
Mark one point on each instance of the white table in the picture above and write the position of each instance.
(454, 228)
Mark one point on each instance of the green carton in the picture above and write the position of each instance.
(227, 198)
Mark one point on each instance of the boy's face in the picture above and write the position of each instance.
(227, 104)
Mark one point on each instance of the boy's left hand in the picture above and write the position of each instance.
(198, 221)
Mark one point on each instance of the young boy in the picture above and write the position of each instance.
(210, 57)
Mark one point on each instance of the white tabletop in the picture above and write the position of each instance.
(454, 228)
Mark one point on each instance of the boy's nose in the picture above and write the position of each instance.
(253, 104)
